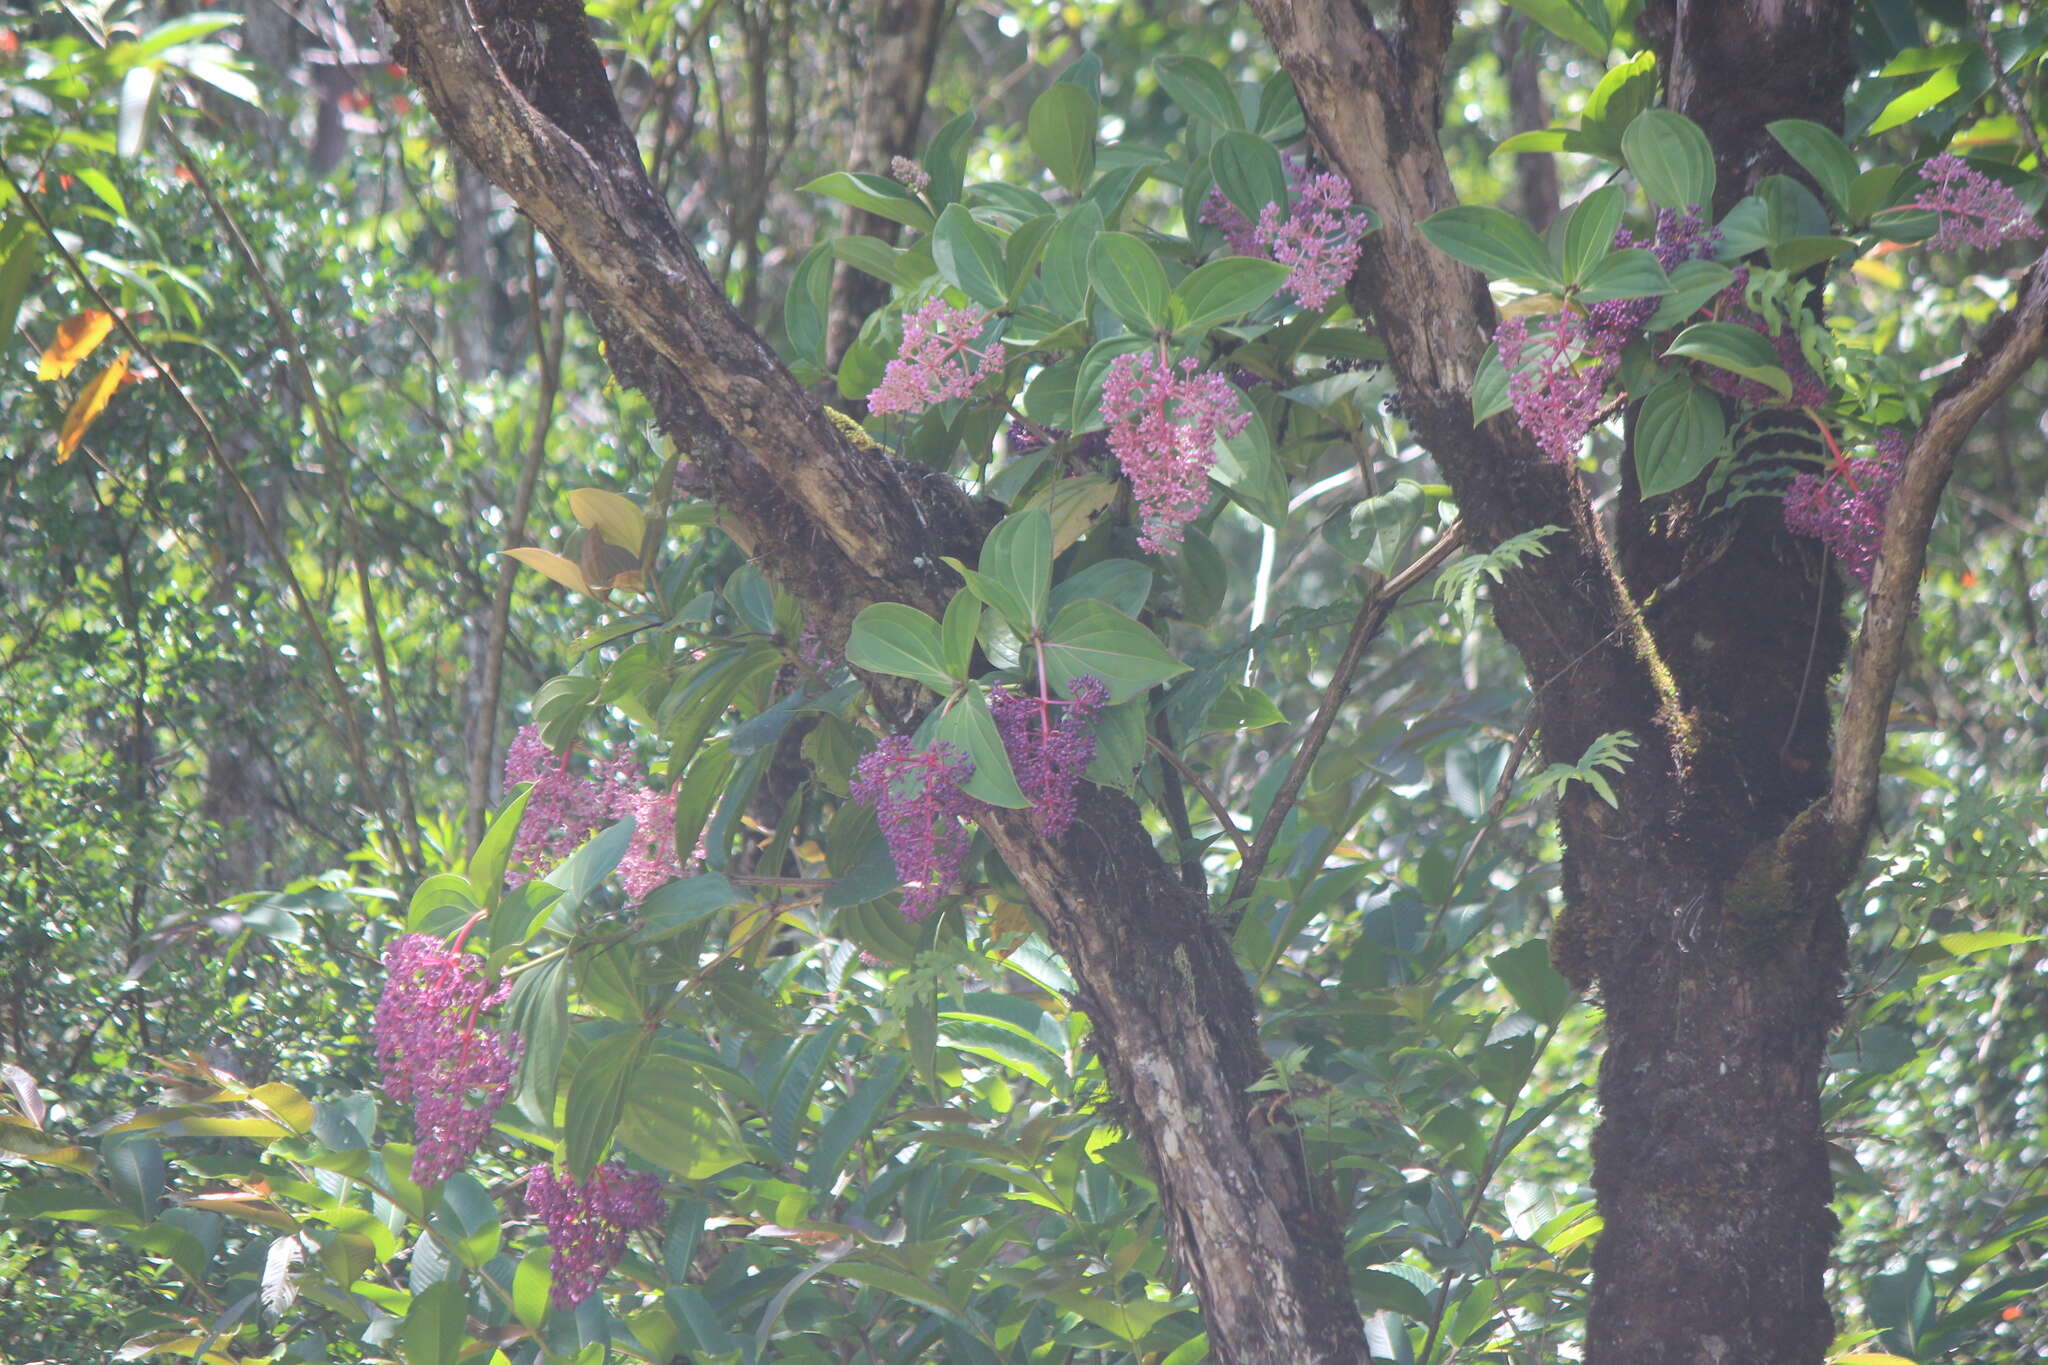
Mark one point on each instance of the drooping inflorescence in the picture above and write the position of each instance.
(588, 1222)
(433, 1054)
(922, 809)
(937, 362)
(1975, 209)
(563, 810)
(1316, 234)
(1164, 422)
(1844, 508)
(1049, 752)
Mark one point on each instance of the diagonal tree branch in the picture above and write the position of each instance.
(2007, 349)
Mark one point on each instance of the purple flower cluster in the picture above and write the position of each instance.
(937, 362)
(1844, 508)
(1975, 209)
(1557, 376)
(909, 174)
(1163, 427)
(1049, 756)
(1559, 366)
(563, 810)
(588, 1221)
(920, 805)
(1316, 235)
(433, 1055)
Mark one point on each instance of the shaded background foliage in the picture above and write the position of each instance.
(202, 850)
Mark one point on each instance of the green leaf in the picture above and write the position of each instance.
(1536, 986)
(795, 1083)
(597, 1096)
(687, 901)
(1248, 171)
(1585, 22)
(1489, 240)
(1123, 583)
(1913, 103)
(1671, 160)
(1692, 284)
(969, 257)
(538, 1013)
(1239, 707)
(24, 252)
(995, 593)
(1130, 279)
(702, 785)
(1735, 348)
(1631, 273)
(874, 194)
(1061, 131)
(1091, 637)
(1620, 95)
(1020, 259)
(1200, 90)
(1223, 291)
(530, 1285)
(1790, 210)
(1279, 117)
(1094, 370)
(901, 641)
(1824, 155)
(583, 871)
(1679, 431)
(672, 1120)
(957, 629)
(485, 870)
(1018, 554)
(969, 725)
(434, 1324)
(1962, 945)
(945, 159)
(1798, 253)
(1375, 532)
(1065, 272)
(808, 301)
(1490, 395)
(1872, 190)
(1245, 466)
(873, 256)
(1383, 1290)
(1589, 233)
(852, 1120)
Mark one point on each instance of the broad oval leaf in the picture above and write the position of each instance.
(1094, 638)
(1223, 291)
(1678, 433)
(1589, 232)
(969, 257)
(1130, 279)
(1671, 160)
(1061, 131)
(969, 724)
(874, 194)
(1500, 244)
(1248, 171)
(901, 641)
(1733, 347)
(1200, 90)
(1632, 273)
(1824, 155)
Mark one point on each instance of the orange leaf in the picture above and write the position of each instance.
(76, 337)
(90, 403)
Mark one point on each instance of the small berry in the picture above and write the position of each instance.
(432, 1054)
(588, 1222)
(1975, 209)
(1049, 756)
(921, 807)
(1163, 429)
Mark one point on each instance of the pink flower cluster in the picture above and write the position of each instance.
(1163, 428)
(433, 1055)
(563, 810)
(1559, 367)
(937, 362)
(920, 805)
(588, 1222)
(1049, 756)
(1975, 209)
(1844, 508)
(1316, 235)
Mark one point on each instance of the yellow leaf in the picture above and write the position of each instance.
(1076, 505)
(611, 516)
(567, 572)
(91, 402)
(76, 337)
(1872, 269)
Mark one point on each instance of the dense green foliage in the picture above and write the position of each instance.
(247, 628)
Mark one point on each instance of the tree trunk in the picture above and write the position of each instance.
(842, 526)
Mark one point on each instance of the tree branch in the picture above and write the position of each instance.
(2011, 344)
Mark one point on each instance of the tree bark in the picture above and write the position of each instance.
(1702, 911)
(841, 526)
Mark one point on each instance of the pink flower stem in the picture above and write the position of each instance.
(1841, 460)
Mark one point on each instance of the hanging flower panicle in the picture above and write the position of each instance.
(1844, 508)
(1164, 422)
(1050, 744)
(937, 362)
(433, 1055)
(588, 1222)
(563, 810)
(1975, 210)
(922, 808)
(1316, 234)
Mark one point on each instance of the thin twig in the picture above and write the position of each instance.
(1980, 12)
(1207, 793)
(1371, 617)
